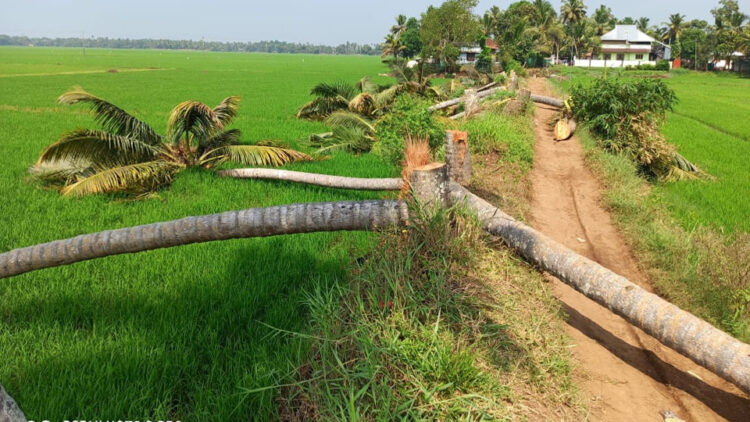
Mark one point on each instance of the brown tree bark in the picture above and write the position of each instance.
(253, 222)
(551, 101)
(316, 179)
(678, 329)
(448, 103)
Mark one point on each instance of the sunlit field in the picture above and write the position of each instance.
(190, 333)
(709, 126)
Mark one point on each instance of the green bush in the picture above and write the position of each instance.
(662, 65)
(408, 116)
(626, 116)
(514, 65)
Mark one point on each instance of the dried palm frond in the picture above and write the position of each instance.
(363, 104)
(98, 147)
(254, 155)
(111, 117)
(134, 178)
(227, 109)
(228, 137)
(61, 171)
(192, 118)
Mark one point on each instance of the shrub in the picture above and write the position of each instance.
(409, 116)
(514, 65)
(662, 65)
(626, 116)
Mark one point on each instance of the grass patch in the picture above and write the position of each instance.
(436, 325)
(701, 269)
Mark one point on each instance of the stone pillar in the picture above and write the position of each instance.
(429, 184)
(457, 156)
(471, 103)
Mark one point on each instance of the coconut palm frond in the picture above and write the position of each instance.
(348, 138)
(98, 147)
(363, 104)
(320, 108)
(365, 85)
(227, 109)
(61, 171)
(386, 97)
(254, 155)
(192, 117)
(228, 137)
(111, 117)
(349, 119)
(336, 89)
(140, 177)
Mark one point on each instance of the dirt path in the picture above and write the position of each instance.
(629, 375)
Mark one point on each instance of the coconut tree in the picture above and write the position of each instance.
(674, 26)
(572, 11)
(393, 46)
(642, 23)
(127, 155)
(604, 20)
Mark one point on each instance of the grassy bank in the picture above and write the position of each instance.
(692, 236)
(441, 322)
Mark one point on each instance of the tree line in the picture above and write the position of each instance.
(530, 31)
(164, 44)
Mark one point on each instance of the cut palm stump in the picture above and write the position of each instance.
(564, 129)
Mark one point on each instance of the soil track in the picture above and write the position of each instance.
(628, 375)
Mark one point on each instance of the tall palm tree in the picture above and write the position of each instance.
(129, 156)
(604, 19)
(544, 14)
(393, 46)
(400, 26)
(642, 23)
(674, 26)
(572, 11)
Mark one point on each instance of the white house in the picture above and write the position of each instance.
(625, 46)
(469, 54)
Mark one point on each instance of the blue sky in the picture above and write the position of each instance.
(314, 21)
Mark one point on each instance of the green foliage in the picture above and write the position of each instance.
(662, 65)
(445, 27)
(133, 158)
(511, 137)
(411, 39)
(626, 116)
(408, 116)
(512, 64)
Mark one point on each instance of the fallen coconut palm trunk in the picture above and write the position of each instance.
(551, 101)
(564, 129)
(448, 103)
(316, 179)
(678, 329)
(253, 222)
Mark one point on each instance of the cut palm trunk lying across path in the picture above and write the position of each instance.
(448, 103)
(678, 329)
(253, 222)
(551, 101)
(330, 181)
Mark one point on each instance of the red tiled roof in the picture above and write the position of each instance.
(491, 44)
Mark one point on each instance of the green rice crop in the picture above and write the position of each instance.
(181, 333)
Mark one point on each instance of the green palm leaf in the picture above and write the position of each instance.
(111, 117)
(140, 177)
(227, 109)
(194, 118)
(386, 97)
(332, 90)
(320, 108)
(349, 119)
(98, 147)
(254, 155)
(348, 138)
